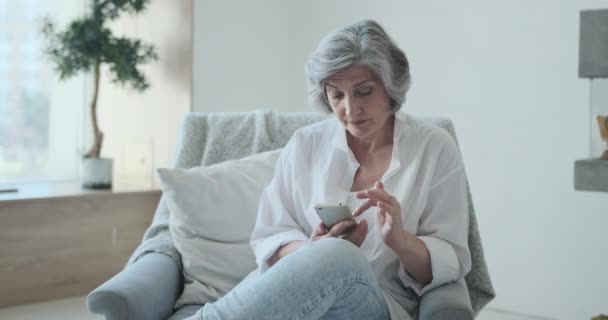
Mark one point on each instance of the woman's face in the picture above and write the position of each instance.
(359, 100)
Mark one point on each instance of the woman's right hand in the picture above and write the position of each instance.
(346, 229)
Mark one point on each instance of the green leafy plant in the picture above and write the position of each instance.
(87, 43)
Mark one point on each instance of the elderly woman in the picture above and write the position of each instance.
(403, 178)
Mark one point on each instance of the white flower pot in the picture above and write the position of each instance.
(96, 173)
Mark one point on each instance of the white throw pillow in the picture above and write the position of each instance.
(213, 212)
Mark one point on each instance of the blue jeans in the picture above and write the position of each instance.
(327, 279)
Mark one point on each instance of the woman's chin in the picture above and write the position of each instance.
(357, 132)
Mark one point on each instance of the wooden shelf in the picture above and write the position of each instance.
(591, 175)
(61, 241)
(30, 191)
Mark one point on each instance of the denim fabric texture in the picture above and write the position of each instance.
(326, 279)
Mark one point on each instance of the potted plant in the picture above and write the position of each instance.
(84, 46)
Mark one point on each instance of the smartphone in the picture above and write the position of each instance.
(332, 214)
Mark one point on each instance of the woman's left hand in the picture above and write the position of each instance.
(388, 214)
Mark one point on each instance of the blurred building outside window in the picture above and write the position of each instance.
(41, 118)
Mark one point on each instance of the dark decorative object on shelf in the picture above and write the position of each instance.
(591, 175)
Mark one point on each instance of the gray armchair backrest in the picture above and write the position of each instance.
(209, 138)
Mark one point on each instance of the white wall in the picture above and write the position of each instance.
(240, 55)
(156, 114)
(504, 71)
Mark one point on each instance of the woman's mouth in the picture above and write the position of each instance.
(358, 122)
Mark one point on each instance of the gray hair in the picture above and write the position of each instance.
(363, 43)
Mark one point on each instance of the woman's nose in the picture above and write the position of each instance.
(351, 106)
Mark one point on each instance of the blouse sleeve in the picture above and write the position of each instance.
(444, 223)
(276, 222)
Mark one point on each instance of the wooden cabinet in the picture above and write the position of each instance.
(65, 246)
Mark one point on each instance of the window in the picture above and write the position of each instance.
(41, 118)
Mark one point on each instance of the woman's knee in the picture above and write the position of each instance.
(338, 255)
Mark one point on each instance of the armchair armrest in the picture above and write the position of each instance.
(448, 302)
(146, 289)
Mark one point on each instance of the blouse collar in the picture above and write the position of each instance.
(401, 125)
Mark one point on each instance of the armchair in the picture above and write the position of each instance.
(152, 280)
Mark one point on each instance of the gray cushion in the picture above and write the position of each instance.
(209, 228)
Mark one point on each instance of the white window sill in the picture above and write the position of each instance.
(64, 189)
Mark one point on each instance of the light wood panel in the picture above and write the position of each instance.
(62, 247)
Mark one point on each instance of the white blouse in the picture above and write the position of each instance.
(426, 175)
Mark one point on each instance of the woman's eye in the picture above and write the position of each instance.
(364, 91)
(337, 96)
